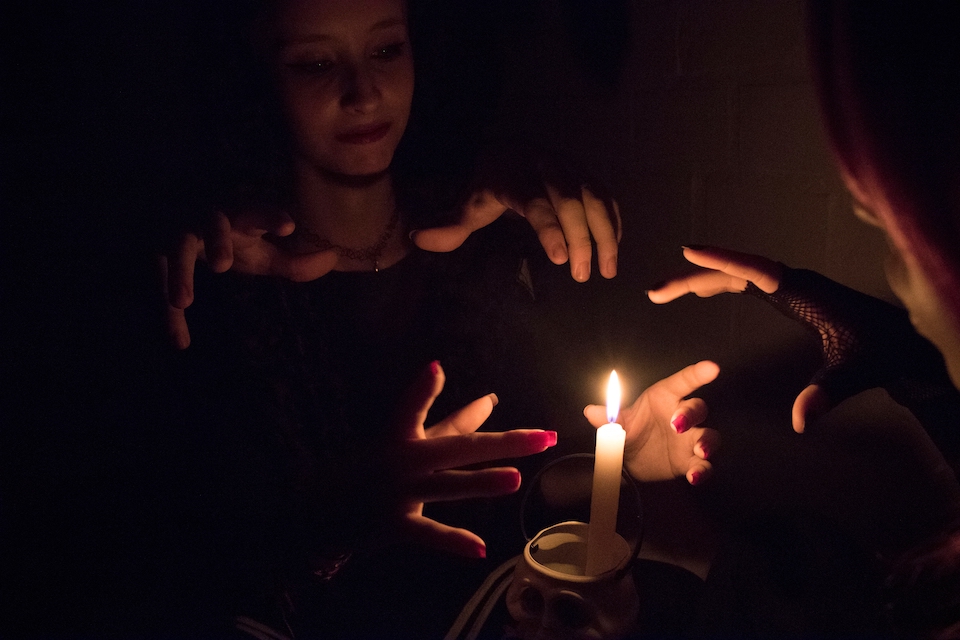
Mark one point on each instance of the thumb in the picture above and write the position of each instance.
(303, 267)
(413, 408)
(481, 209)
(812, 403)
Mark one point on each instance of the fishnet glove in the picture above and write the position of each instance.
(866, 342)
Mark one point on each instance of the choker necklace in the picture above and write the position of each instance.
(371, 254)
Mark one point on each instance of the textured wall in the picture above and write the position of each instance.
(709, 135)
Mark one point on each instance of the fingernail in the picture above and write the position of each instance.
(704, 451)
(548, 439)
(511, 481)
(696, 477)
(679, 423)
(695, 247)
(413, 233)
(493, 398)
(581, 273)
(435, 367)
(610, 269)
(481, 551)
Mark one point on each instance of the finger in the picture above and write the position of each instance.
(175, 319)
(762, 272)
(596, 414)
(448, 452)
(257, 222)
(417, 402)
(603, 232)
(707, 444)
(301, 268)
(435, 535)
(812, 403)
(572, 216)
(703, 284)
(688, 414)
(181, 270)
(177, 330)
(543, 218)
(466, 420)
(699, 471)
(218, 243)
(689, 379)
(617, 219)
(446, 486)
(481, 209)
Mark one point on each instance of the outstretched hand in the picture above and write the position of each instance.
(865, 341)
(245, 245)
(726, 271)
(566, 214)
(424, 464)
(664, 439)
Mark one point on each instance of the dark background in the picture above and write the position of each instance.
(699, 115)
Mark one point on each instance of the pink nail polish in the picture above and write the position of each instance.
(549, 438)
(679, 423)
(696, 477)
(435, 367)
(482, 551)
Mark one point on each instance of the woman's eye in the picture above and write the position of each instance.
(313, 67)
(390, 51)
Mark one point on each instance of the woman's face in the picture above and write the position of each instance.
(345, 75)
(912, 285)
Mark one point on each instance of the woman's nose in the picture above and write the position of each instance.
(360, 90)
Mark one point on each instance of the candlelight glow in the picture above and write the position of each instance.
(613, 397)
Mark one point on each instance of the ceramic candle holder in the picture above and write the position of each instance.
(550, 596)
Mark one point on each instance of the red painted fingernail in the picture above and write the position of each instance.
(549, 439)
(696, 477)
(482, 551)
(679, 423)
(510, 481)
(435, 367)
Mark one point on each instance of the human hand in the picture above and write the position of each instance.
(245, 245)
(865, 341)
(424, 464)
(567, 215)
(663, 436)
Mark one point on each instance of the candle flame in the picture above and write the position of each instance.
(613, 397)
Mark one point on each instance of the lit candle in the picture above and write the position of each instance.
(602, 532)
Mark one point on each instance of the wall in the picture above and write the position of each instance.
(711, 135)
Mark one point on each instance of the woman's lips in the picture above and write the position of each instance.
(364, 135)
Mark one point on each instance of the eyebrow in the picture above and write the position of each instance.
(383, 24)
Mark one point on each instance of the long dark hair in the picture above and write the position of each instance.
(889, 87)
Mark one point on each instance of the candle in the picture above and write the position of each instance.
(605, 499)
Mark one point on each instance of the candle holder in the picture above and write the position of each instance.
(550, 596)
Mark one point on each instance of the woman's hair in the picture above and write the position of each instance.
(889, 85)
(888, 75)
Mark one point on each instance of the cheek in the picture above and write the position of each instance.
(400, 87)
(916, 293)
(306, 110)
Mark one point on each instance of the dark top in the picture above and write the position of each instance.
(285, 384)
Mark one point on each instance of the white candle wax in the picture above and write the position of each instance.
(605, 498)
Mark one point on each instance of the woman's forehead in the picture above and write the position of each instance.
(298, 19)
